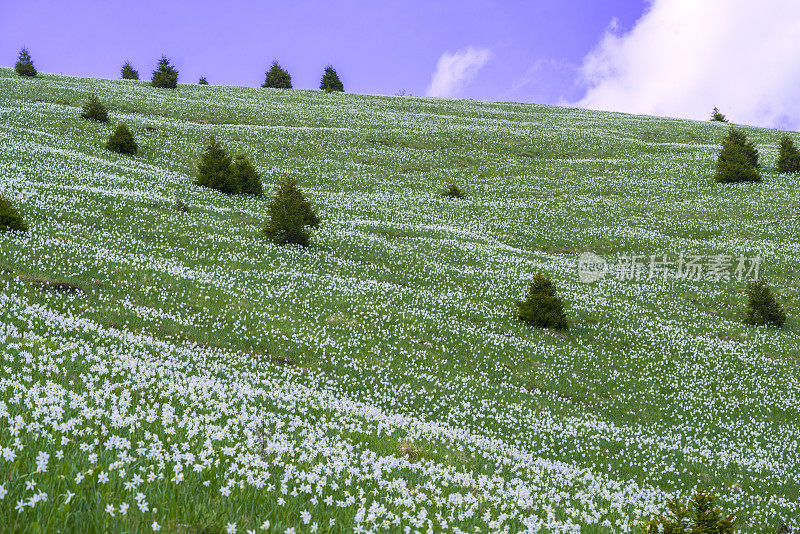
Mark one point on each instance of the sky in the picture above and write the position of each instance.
(663, 57)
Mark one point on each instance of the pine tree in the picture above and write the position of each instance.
(246, 176)
(202, 81)
(94, 110)
(700, 515)
(9, 217)
(290, 213)
(128, 72)
(762, 307)
(542, 307)
(717, 116)
(122, 141)
(788, 157)
(24, 66)
(214, 169)
(330, 81)
(277, 77)
(165, 75)
(737, 160)
(739, 138)
(453, 191)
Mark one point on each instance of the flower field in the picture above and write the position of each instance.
(174, 371)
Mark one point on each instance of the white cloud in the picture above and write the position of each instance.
(454, 70)
(685, 56)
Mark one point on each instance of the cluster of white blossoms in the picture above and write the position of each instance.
(378, 381)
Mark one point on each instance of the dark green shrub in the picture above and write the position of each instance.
(277, 77)
(214, 169)
(246, 176)
(542, 307)
(330, 81)
(180, 205)
(716, 116)
(202, 81)
(788, 157)
(10, 218)
(737, 160)
(700, 515)
(763, 309)
(165, 75)
(94, 110)
(739, 138)
(24, 65)
(453, 191)
(122, 141)
(290, 213)
(128, 72)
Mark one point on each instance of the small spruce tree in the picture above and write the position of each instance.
(128, 72)
(542, 307)
(453, 191)
(737, 160)
(94, 110)
(763, 309)
(214, 169)
(165, 75)
(330, 81)
(10, 218)
(202, 81)
(277, 77)
(246, 176)
(717, 116)
(122, 141)
(788, 157)
(290, 213)
(700, 515)
(24, 65)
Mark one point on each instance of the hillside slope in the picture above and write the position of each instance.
(379, 379)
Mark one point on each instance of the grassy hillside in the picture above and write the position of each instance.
(379, 379)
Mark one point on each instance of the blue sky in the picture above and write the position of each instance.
(377, 47)
(674, 58)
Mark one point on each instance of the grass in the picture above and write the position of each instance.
(195, 347)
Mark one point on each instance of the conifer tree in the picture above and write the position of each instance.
(542, 307)
(214, 169)
(94, 110)
(122, 141)
(737, 160)
(246, 176)
(277, 77)
(290, 213)
(717, 116)
(330, 81)
(788, 156)
(24, 66)
(128, 72)
(165, 75)
(202, 81)
(10, 218)
(762, 307)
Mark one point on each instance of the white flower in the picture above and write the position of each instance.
(102, 477)
(265, 525)
(305, 516)
(156, 526)
(110, 510)
(3, 491)
(231, 528)
(123, 508)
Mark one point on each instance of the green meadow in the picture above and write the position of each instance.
(174, 370)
